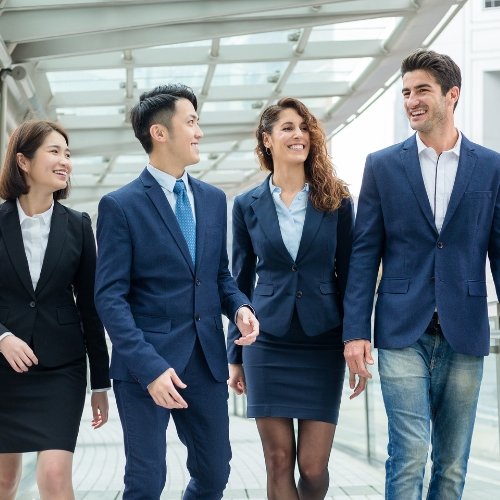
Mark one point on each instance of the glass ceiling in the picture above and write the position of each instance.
(87, 61)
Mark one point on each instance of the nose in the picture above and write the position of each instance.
(199, 132)
(298, 132)
(412, 100)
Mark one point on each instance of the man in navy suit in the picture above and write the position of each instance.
(429, 209)
(162, 283)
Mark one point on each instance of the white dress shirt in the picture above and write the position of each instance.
(439, 172)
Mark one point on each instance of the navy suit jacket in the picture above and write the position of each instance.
(151, 298)
(423, 269)
(314, 282)
(58, 318)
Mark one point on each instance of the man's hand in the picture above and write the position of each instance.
(237, 379)
(18, 353)
(357, 354)
(164, 393)
(100, 408)
(247, 325)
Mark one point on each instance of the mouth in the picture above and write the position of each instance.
(195, 146)
(297, 147)
(418, 112)
(61, 173)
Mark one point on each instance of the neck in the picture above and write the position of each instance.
(166, 164)
(443, 140)
(35, 203)
(289, 179)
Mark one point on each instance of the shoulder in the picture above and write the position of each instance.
(485, 154)
(248, 197)
(73, 214)
(393, 150)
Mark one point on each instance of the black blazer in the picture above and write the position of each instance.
(58, 319)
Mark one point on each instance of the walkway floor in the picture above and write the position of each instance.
(99, 462)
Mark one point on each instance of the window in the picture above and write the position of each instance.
(491, 3)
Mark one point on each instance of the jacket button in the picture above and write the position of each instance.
(32, 304)
(197, 317)
(294, 268)
(298, 294)
(198, 282)
(440, 244)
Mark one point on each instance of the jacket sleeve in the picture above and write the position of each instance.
(93, 330)
(243, 264)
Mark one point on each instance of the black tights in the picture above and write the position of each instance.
(312, 451)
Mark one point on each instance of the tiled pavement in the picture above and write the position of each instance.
(98, 467)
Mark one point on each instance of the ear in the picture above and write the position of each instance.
(266, 140)
(158, 132)
(22, 162)
(454, 93)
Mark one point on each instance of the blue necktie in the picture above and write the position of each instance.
(185, 217)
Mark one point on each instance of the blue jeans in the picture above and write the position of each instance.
(426, 383)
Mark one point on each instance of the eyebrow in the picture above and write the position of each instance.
(421, 86)
(291, 123)
(58, 147)
(195, 117)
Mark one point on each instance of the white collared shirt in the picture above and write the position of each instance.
(35, 231)
(167, 183)
(439, 172)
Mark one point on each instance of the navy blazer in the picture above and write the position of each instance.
(151, 298)
(313, 283)
(58, 328)
(423, 269)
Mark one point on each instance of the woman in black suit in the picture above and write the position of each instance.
(293, 232)
(48, 323)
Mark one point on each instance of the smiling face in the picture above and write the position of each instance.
(428, 110)
(289, 140)
(184, 134)
(49, 169)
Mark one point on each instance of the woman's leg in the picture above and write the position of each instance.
(10, 474)
(278, 442)
(53, 474)
(314, 444)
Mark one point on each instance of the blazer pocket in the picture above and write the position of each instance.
(328, 287)
(478, 194)
(4, 314)
(153, 324)
(67, 315)
(263, 289)
(394, 285)
(477, 288)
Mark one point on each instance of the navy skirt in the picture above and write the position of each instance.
(295, 376)
(41, 409)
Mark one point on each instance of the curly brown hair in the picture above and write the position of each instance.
(326, 190)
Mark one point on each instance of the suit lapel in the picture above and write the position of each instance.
(157, 196)
(55, 244)
(311, 225)
(201, 223)
(411, 164)
(265, 211)
(13, 241)
(466, 165)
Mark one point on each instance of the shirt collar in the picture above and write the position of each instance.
(166, 181)
(276, 189)
(44, 216)
(455, 149)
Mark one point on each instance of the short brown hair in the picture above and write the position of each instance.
(26, 139)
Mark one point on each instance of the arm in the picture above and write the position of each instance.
(93, 331)
(244, 261)
(112, 288)
(494, 246)
(364, 264)
(345, 229)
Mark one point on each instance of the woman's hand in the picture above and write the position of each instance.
(18, 353)
(237, 379)
(100, 408)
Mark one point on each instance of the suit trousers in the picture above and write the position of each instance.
(203, 428)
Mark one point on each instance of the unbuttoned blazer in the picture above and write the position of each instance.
(313, 283)
(152, 299)
(58, 318)
(423, 269)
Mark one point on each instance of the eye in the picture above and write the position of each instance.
(287, 128)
